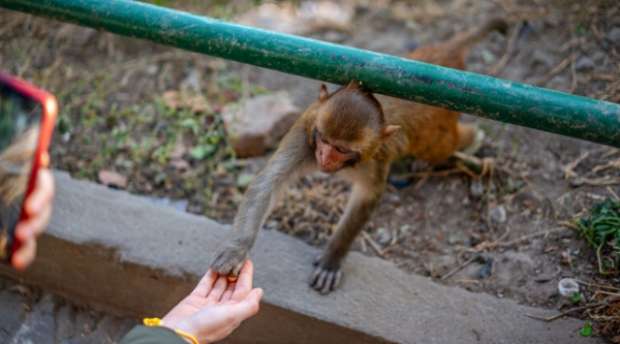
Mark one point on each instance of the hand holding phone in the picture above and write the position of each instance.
(27, 116)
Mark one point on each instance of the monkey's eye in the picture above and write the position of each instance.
(342, 150)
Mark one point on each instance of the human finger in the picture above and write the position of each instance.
(34, 226)
(205, 284)
(219, 287)
(244, 283)
(25, 255)
(42, 194)
(229, 292)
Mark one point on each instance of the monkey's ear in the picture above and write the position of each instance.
(354, 85)
(323, 94)
(389, 130)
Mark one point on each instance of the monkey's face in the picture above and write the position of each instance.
(348, 127)
(332, 156)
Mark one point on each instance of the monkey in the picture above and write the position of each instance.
(353, 134)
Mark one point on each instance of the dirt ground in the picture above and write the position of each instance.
(501, 234)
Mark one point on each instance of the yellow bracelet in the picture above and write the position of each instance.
(152, 322)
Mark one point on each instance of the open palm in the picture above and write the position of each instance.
(216, 306)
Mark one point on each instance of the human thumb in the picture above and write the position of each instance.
(249, 306)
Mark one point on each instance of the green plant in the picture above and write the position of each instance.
(601, 229)
(586, 330)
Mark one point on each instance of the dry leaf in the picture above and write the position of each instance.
(177, 100)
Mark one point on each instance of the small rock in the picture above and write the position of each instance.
(498, 214)
(599, 57)
(192, 81)
(487, 56)
(257, 124)
(567, 287)
(404, 230)
(584, 63)
(392, 198)
(476, 189)
(383, 236)
(152, 69)
(440, 265)
(112, 179)
(10, 321)
(244, 179)
(614, 35)
(543, 58)
(39, 326)
(487, 268)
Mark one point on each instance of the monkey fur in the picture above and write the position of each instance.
(355, 135)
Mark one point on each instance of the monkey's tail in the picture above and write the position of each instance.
(474, 36)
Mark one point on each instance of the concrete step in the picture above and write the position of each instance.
(126, 255)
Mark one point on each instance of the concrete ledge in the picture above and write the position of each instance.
(124, 254)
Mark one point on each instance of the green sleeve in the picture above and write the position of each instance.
(152, 335)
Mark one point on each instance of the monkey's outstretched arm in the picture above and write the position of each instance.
(293, 158)
(365, 197)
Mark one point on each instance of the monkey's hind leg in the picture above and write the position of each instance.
(470, 138)
(327, 274)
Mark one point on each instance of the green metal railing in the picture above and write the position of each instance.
(493, 98)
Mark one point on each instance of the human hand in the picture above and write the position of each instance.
(38, 206)
(216, 306)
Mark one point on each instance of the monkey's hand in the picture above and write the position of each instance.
(229, 260)
(326, 276)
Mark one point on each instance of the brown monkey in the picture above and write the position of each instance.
(355, 135)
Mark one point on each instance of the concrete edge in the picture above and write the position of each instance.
(126, 255)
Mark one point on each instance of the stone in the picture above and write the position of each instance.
(498, 214)
(476, 189)
(39, 326)
(112, 179)
(614, 36)
(384, 236)
(255, 125)
(65, 323)
(108, 329)
(10, 321)
(584, 63)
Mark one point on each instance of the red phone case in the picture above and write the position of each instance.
(49, 111)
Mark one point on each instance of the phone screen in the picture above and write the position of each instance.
(20, 118)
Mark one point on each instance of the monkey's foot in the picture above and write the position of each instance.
(326, 277)
(229, 260)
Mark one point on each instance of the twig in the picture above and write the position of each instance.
(603, 181)
(608, 293)
(569, 168)
(573, 73)
(596, 285)
(420, 183)
(557, 69)
(373, 244)
(510, 47)
(568, 311)
(459, 268)
(613, 193)
(521, 239)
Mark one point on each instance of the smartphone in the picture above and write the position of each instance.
(27, 117)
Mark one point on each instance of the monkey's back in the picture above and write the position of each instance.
(431, 133)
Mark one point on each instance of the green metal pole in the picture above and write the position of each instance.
(497, 99)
